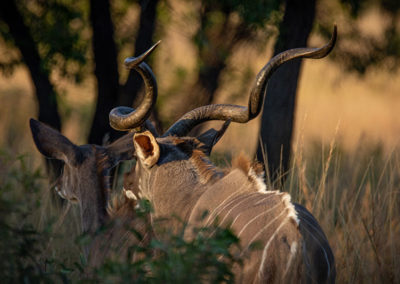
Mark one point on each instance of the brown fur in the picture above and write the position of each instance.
(243, 163)
(120, 205)
(114, 242)
(190, 185)
(192, 147)
(86, 181)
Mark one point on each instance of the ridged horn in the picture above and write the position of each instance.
(243, 114)
(125, 118)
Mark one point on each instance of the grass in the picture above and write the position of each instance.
(353, 194)
(40, 242)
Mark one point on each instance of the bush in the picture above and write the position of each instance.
(27, 253)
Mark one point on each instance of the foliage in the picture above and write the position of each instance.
(254, 13)
(226, 23)
(22, 246)
(59, 28)
(172, 259)
(26, 252)
(359, 49)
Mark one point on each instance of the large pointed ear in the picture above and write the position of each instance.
(147, 148)
(211, 137)
(121, 149)
(53, 144)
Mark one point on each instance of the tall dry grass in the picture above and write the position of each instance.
(355, 195)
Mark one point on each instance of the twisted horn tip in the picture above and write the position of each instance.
(132, 62)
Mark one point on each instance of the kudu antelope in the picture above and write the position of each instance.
(85, 180)
(174, 172)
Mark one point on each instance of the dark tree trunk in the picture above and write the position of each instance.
(106, 70)
(202, 92)
(44, 91)
(215, 44)
(212, 62)
(279, 107)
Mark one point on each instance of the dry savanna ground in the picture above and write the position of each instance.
(346, 161)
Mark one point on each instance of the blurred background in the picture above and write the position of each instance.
(337, 118)
(62, 61)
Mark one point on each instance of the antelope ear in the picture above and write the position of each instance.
(211, 137)
(53, 144)
(147, 148)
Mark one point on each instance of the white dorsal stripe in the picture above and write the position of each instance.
(264, 254)
(219, 206)
(257, 203)
(293, 251)
(256, 236)
(246, 198)
(267, 195)
(216, 212)
(257, 216)
(236, 205)
(236, 218)
(223, 203)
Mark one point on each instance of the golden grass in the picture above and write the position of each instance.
(355, 196)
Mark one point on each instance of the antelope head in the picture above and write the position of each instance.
(85, 177)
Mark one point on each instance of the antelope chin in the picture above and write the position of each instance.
(129, 194)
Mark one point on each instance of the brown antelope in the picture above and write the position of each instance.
(174, 172)
(85, 180)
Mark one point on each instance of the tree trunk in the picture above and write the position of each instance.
(278, 111)
(215, 44)
(106, 70)
(44, 91)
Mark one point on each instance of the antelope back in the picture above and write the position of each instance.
(177, 176)
(265, 218)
